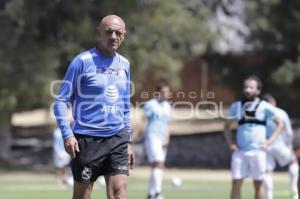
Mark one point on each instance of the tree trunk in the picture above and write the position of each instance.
(5, 135)
(5, 143)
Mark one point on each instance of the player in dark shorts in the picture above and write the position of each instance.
(97, 85)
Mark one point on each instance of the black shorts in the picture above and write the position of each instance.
(100, 156)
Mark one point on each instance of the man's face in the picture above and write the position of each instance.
(165, 93)
(111, 34)
(251, 90)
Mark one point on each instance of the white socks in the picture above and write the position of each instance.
(158, 174)
(293, 174)
(155, 181)
(268, 184)
(151, 188)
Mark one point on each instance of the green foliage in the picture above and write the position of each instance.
(286, 85)
(40, 38)
(275, 52)
(274, 24)
(287, 73)
(163, 34)
(27, 60)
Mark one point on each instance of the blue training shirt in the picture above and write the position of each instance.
(251, 136)
(158, 114)
(98, 89)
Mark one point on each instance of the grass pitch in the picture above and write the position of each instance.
(196, 184)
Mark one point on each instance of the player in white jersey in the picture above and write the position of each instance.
(158, 112)
(249, 147)
(61, 160)
(281, 151)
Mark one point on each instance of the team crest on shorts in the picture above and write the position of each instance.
(122, 167)
(86, 173)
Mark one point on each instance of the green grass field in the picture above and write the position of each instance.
(197, 184)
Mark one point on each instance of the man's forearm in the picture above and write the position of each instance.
(228, 133)
(276, 132)
(61, 114)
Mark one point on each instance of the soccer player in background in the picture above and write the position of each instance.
(249, 147)
(281, 151)
(97, 85)
(158, 113)
(61, 160)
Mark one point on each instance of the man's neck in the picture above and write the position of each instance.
(105, 51)
(249, 100)
(160, 100)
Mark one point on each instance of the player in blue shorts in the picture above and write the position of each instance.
(281, 151)
(249, 148)
(158, 113)
(97, 86)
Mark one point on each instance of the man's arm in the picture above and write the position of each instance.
(61, 114)
(289, 134)
(228, 135)
(127, 120)
(167, 137)
(127, 105)
(277, 130)
(64, 97)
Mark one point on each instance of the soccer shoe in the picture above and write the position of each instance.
(158, 196)
(151, 197)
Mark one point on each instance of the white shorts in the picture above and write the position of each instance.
(248, 164)
(155, 150)
(279, 152)
(60, 157)
(61, 160)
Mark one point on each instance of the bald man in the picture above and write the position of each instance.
(97, 86)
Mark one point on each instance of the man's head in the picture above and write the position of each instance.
(164, 91)
(269, 98)
(111, 32)
(252, 87)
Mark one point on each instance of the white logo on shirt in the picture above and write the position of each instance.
(110, 109)
(111, 93)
